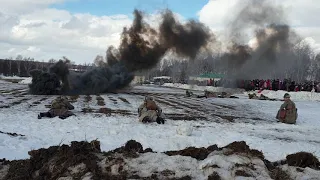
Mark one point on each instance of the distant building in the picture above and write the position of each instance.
(162, 79)
(203, 79)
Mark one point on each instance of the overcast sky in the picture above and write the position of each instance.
(83, 29)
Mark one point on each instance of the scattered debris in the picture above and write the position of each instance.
(11, 134)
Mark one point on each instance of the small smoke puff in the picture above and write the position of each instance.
(184, 130)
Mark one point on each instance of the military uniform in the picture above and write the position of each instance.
(288, 111)
(149, 111)
(59, 107)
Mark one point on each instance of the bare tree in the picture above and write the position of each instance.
(28, 63)
(9, 62)
(18, 63)
(99, 61)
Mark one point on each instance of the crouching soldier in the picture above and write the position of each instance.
(288, 111)
(149, 111)
(59, 107)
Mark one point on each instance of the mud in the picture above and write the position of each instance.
(243, 148)
(83, 159)
(124, 100)
(214, 176)
(54, 162)
(279, 174)
(242, 173)
(303, 159)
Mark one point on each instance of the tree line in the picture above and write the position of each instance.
(20, 66)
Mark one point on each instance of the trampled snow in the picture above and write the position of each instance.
(253, 121)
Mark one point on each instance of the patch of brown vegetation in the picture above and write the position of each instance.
(106, 111)
(109, 111)
(242, 147)
(87, 110)
(303, 159)
(242, 173)
(197, 153)
(124, 100)
(185, 117)
(225, 117)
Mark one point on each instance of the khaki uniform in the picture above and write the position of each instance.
(59, 107)
(150, 110)
(253, 96)
(291, 114)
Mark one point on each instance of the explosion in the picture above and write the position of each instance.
(141, 47)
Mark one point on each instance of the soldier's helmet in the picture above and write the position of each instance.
(148, 98)
(286, 95)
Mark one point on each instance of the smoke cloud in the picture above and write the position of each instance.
(141, 47)
(274, 42)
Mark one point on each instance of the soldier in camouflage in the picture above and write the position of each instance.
(59, 107)
(149, 111)
(288, 111)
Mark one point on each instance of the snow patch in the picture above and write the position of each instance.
(200, 88)
(303, 95)
(184, 129)
(26, 81)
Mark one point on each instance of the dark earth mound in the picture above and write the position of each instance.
(85, 160)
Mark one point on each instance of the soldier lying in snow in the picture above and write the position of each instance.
(190, 94)
(209, 94)
(262, 97)
(59, 107)
(149, 111)
(288, 112)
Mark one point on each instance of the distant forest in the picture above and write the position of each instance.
(21, 66)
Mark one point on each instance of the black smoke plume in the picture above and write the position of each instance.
(141, 47)
(274, 46)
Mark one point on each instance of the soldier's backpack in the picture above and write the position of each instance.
(56, 104)
(151, 105)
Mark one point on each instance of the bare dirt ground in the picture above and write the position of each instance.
(84, 160)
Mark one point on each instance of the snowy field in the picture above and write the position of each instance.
(212, 121)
